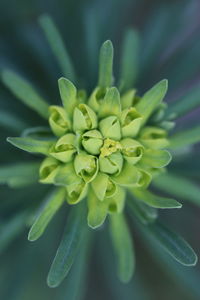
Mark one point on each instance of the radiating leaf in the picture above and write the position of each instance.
(97, 210)
(68, 95)
(52, 203)
(69, 246)
(19, 174)
(156, 158)
(154, 200)
(106, 65)
(185, 138)
(175, 245)
(57, 45)
(151, 99)
(144, 213)
(37, 132)
(31, 145)
(25, 92)
(123, 247)
(186, 103)
(129, 60)
(178, 186)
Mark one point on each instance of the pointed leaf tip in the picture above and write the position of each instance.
(106, 64)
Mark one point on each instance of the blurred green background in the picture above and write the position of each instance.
(169, 48)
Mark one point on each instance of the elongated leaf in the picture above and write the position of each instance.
(68, 95)
(19, 174)
(57, 45)
(175, 245)
(97, 211)
(31, 145)
(69, 246)
(52, 203)
(154, 200)
(106, 65)
(37, 132)
(123, 246)
(129, 60)
(144, 213)
(11, 229)
(152, 99)
(186, 103)
(25, 92)
(76, 283)
(178, 186)
(156, 158)
(185, 138)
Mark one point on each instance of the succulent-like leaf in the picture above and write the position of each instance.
(129, 60)
(57, 45)
(144, 213)
(152, 99)
(25, 92)
(156, 158)
(52, 203)
(31, 145)
(97, 210)
(68, 95)
(106, 65)
(154, 200)
(69, 246)
(123, 246)
(175, 245)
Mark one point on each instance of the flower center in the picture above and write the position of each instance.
(109, 147)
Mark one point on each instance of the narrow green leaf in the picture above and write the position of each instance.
(69, 246)
(19, 174)
(175, 245)
(68, 95)
(123, 246)
(25, 92)
(154, 200)
(152, 99)
(11, 229)
(178, 186)
(97, 210)
(185, 104)
(57, 45)
(185, 138)
(106, 65)
(129, 60)
(144, 213)
(156, 158)
(31, 145)
(51, 205)
(37, 132)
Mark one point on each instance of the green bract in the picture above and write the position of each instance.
(98, 149)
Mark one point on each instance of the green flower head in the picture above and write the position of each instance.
(97, 150)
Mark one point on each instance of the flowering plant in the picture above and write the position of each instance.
(100, 154)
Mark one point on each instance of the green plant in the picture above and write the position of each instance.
(96, 148)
